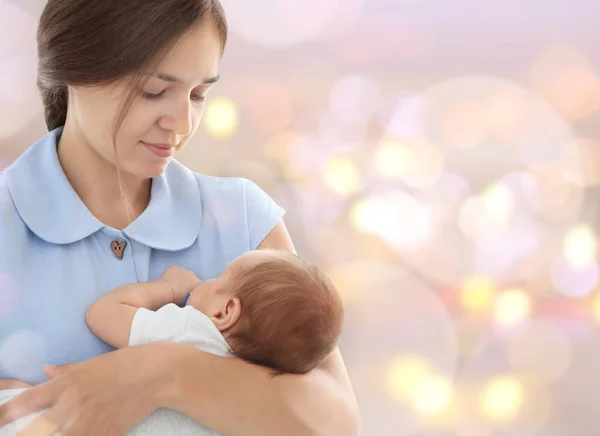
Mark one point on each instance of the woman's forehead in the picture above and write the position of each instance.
(195, 58)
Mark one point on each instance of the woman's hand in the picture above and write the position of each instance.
(106, 395)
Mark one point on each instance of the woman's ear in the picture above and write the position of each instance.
(228, 314)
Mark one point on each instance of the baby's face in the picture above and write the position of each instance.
(213, 294)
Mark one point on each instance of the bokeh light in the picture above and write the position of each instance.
(347, 17)
(512, 307)
(565, 77)
(485, 217)
(390, 158)
(558, 198)
(396, 217)
(596, 308)
(418, 164)
(580, 162)
(342, 176)
(509, 114)
(498, 201)
(221, 117)
(575, 282)
(580, 246)
(433, 396)
(503, 398)
(465, 123)
(477, 294)
(404, 376)
(505, 257)
(407, 120)
(387, 308)
(279, 23)
(446, 196)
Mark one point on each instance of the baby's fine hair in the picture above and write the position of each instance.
(291, 318)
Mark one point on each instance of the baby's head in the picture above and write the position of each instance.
(274, 309)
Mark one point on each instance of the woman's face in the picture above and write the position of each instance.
(165, 113)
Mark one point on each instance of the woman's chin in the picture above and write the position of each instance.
(150, 170)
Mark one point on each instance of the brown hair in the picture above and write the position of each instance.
(291, 317)
(83, 42)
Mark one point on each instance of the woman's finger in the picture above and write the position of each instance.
(30, 401)
(54, 421)
(43, 425)
(53, 371)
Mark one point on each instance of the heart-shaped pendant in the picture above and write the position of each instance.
(118, 248)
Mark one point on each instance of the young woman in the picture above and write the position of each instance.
(99, 202)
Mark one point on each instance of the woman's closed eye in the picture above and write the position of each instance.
(155, 96)
(151, 95)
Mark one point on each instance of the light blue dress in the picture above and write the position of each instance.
(56, 258)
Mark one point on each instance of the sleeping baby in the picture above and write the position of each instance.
(267, 307)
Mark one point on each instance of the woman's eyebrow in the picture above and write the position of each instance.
(173, 79)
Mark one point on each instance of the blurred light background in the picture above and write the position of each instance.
(440, 160)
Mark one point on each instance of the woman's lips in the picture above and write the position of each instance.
(160, 150)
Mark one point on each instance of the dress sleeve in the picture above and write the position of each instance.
(262, 213)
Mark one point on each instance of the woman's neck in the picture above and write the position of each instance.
(97, 183)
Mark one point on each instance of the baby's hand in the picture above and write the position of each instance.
(181, 280)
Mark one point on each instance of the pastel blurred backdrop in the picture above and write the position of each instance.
(440, 160)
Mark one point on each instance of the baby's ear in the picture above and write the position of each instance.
(228, 315)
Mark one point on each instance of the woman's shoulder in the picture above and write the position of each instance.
(230, 189)
(222, 184)
(238, 193)
(238, 203)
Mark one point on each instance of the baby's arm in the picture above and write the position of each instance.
(110, 317)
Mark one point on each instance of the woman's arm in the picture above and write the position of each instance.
(112, 393)
(13, 384)
(238, 398)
